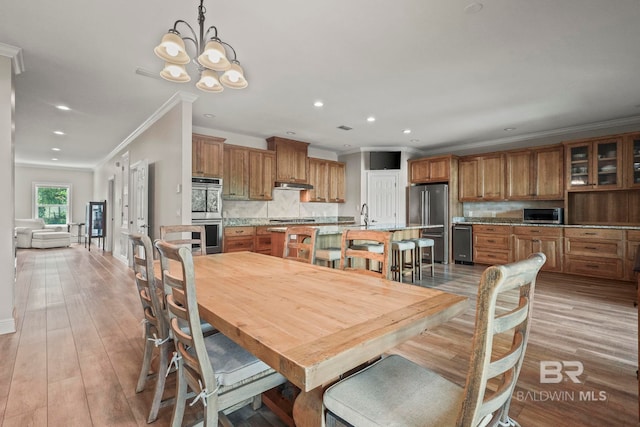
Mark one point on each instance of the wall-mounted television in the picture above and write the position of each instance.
(381, 160)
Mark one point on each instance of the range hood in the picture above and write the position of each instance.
(293, 186)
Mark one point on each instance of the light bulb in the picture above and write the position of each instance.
(234, 76)
(214, 56)
(175, 71)
(172, 49)
(209, 81)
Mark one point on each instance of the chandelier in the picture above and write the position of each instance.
(211, 57)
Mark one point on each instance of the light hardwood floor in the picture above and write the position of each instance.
(74, 360)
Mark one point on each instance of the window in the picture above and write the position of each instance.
(53, 203)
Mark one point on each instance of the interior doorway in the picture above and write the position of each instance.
(382, 197)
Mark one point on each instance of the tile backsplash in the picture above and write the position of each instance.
(285, 204)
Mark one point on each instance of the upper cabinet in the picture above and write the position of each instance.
(631, 163)
(430, 169)
(594, 164)
(262, 174)
(328, 180)
(235, 185)
(207, 156)
(291, 159)
(481, 178)
(535, 174)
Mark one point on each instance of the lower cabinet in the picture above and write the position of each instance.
(633, 243)
(594, 252)
(263, 240)
(238, 239)
(492, 244)
(530, 240)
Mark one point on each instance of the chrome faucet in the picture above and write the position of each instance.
(365, 211)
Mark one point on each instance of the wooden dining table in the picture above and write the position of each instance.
(312, 323)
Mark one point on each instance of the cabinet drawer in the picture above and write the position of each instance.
(237, 244)
(239, 231)
(263, 243)
(633, 235)
(263, 230)
(602, 248)
(483, 256)
(490, 229)
(497, 241)
(594, 233)
(608, 268)
(538, 231)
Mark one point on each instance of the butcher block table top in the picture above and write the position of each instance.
(313, 323)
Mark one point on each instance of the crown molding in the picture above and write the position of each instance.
(15, 53)
(49, 166)
(176, 99)
(626, 121)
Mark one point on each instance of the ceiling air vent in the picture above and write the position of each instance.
(343, 127)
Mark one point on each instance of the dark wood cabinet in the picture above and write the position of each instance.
(481, 178)
(535, 174)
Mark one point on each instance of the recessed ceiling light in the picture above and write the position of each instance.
(406, 131)
(54, 159)
(371, 119)
(209, 116)
(509, 129)
(318, 104)
(58, 132)
(289, 132)
(472, 8)
(55, 149)
(63, 107)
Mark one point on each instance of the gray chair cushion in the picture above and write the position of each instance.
(231, 363)
(395, 392)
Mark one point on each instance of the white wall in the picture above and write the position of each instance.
(81, 182)
(163, 145)
(7, 249)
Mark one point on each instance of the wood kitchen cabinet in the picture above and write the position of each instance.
(337, 184)
(238, 239)
(262, 174)
(594, 164)
(262, 243)
(481, 178)
(535, 174)
(235, 184)
(530, 240)
(328, 180)
(631, 161)
(207, 156)
(430, 169)
(291, 159)
(492, 244)
(597, 252)
(633, 242)
(319, 179)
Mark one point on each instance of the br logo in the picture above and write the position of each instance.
(552, 372)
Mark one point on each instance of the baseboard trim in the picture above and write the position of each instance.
(7, 326)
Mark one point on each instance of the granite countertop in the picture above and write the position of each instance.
(244, 222)
(338, 229)
(518, 222)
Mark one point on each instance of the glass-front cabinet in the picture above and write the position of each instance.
(632, 160)
(594, 164)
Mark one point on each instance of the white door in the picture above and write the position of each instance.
(140, 197)
(382, 197)
(121, 237)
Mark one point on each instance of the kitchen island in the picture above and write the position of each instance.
(330, 236)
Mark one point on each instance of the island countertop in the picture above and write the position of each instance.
(324, 230)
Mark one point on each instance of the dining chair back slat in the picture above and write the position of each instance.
(300, 244)
(367, 246)
(189, 236)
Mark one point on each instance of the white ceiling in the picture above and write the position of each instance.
(454, 78)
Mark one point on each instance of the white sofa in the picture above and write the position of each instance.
(34, 233)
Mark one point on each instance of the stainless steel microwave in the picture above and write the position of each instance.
(543, 216)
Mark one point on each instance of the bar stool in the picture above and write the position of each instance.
(399, 264)
(421, 243)
(328, 255)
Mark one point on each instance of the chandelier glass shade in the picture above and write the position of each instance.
(211, 53)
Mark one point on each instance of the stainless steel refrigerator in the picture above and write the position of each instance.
(428, 204)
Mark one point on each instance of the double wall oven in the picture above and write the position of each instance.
(206, 209)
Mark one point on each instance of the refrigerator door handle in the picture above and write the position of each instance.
(427, 208)
(422, 202)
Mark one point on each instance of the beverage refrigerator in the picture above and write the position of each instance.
(428, 204)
